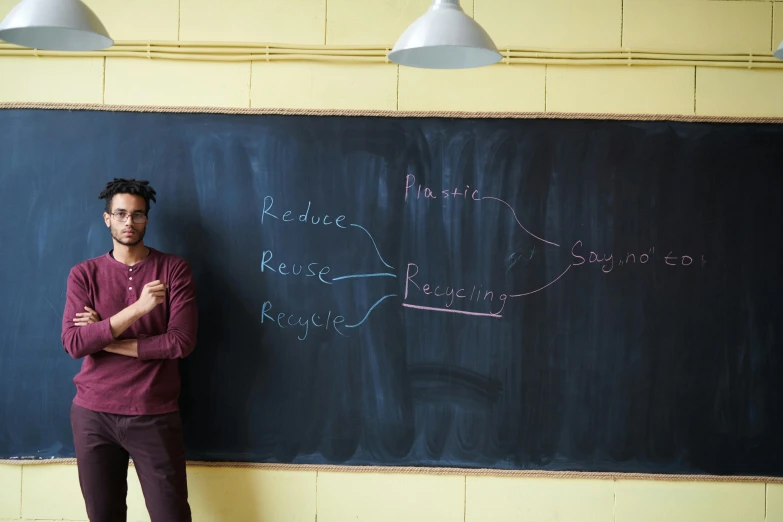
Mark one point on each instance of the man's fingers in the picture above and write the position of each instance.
(89, 314)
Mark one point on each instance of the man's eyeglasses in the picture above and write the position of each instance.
(137, 217)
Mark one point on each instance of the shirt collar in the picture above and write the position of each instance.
(141, 264)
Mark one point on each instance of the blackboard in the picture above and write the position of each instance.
(482, 293)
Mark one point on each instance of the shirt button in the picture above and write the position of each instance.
(130, 269)
(130, 288)
(130, 279)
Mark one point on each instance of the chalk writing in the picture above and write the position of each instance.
(416, 193)
(458, 192)
(545, 286)
(448, 294)
(373, 244)
(609, 262)
(304, 217)
(379, 301)
(517, 220)
(683, 260)
(282, 268)
(428, 294)
(435, 309)
(362, 276)
(302, 323)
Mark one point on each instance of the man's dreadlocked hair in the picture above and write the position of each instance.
(127, 186)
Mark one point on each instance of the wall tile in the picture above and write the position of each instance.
(10, 491)
(552, 24)
(248, 495)
(655, 501)
(635, 90)
(48, 79)
(739, 92)
(374, 22)
(51, 491)
(697, 25)
(138, 19)
(313, 85)
(268, 21)
(505, 88)
(390, 498)
(138, 81)
(492, 499)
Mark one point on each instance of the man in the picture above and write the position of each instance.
(130, 315)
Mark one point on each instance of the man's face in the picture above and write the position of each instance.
(122, 226)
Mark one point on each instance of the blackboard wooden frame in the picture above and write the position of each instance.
(390, 114)
(417, 114)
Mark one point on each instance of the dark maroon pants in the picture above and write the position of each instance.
(104, 442)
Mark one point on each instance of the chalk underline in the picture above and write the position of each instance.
(449, 310)
(355, 276)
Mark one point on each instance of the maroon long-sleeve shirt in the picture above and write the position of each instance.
(119, 384)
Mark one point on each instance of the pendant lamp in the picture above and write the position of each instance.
(445, 38)
(59, 25)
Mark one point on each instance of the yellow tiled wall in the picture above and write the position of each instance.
(51, 492)
(716, 26)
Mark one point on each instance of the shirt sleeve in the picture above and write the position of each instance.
(80, 341)
(179, 341)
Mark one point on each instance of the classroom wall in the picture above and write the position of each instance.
(51, 492)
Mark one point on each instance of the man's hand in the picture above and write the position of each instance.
(88, 317)
(151, 296)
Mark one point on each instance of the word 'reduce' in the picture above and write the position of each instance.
(304, 217)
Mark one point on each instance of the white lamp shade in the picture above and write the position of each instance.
(779, 53)
(445, 38)
(60, 25)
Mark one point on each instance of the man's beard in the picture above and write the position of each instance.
(117, 236)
